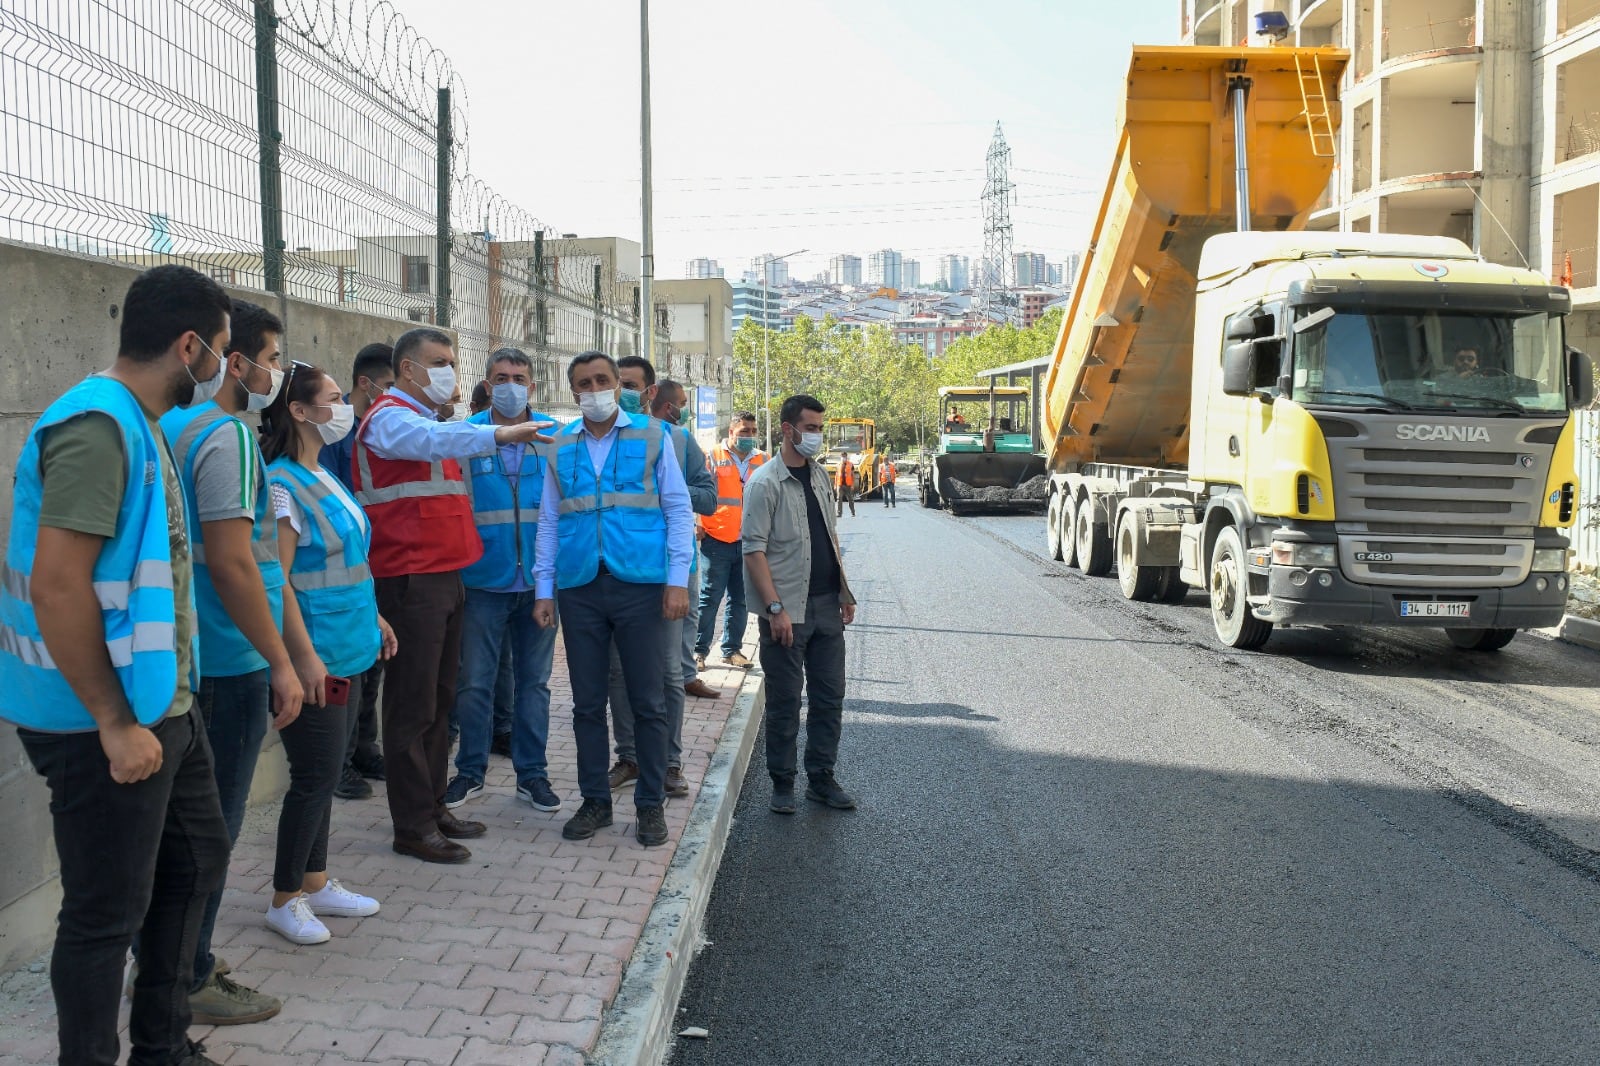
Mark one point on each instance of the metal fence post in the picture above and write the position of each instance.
(444, 141)
(599, 313)
(271, 137)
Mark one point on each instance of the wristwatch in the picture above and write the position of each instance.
(775, 608)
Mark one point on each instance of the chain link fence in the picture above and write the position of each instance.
(314, 148)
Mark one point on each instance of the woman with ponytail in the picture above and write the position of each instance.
(323, 536)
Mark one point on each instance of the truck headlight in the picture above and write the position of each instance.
(1550, 560)
(1285, 553)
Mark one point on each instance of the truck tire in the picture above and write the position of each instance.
(1480, 639)
(1138, 582)
(1229, 588)
(1067, 529)
(1093, 541)
(930, 495)
(1052, 527)
(1170, 586)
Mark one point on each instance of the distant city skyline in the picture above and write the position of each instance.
(836, 169)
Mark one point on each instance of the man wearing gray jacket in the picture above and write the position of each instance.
(665, 400)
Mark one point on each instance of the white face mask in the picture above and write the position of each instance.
(509, 399)
(205, 390)
(255, 401)
(441, 384)
(808, 444)
(598, 406)
(339, 426)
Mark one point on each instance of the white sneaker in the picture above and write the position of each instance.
(336, 900)
(295, 923)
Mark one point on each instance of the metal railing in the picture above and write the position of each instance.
(314, 148)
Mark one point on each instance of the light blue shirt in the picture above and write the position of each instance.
(670, 487)
(413, 433)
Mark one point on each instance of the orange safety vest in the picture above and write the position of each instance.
(888, 472)
(723, 524)
(420, 512)
(847, 473)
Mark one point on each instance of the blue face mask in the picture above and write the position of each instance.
(631, 401)
(746, 445)
(509, 398)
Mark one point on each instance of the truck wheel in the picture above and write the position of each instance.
(1052, 527)
(1093, 542)
(1230, 609)
(1138, 582)
(1480, 639)
(930, 495)
(1067, 530)
(1170, 586)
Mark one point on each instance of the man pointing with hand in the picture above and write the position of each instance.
(616, 533)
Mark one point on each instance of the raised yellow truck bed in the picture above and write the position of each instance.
(1119, 390)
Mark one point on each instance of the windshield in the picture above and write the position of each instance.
(845, 438)
(972, 416)
(1470, 360)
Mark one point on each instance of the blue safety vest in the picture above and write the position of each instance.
(226, 651)
(680, 447)
(614, 513)
(132, 580)
(508, 522)
(330, 577)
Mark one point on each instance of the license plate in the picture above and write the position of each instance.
(1434, 609)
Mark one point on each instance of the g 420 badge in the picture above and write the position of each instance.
(1374, 557)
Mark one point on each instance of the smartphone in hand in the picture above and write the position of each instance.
(338, 691)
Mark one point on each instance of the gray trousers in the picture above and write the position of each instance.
(814, 664)
(672, 690)
(691, 624)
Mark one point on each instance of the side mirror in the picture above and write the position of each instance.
(1239, 328)
(1238, 377)
(1580, 378)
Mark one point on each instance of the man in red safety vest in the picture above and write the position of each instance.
(408, 478)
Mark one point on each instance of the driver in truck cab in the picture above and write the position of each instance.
(1464, 365)
(955, 423)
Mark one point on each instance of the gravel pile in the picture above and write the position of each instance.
(1037, 488)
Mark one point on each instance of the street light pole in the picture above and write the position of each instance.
(647, 312)
(766, 360)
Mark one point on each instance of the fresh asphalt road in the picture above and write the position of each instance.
(1088, 833)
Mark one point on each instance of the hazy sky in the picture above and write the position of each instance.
(832, 125)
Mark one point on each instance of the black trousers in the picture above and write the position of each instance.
(419, 691)
(139, 858)
(315, 745)
(363, 743)
(814, 664)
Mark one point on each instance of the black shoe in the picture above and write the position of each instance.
(592, 817)
(782, 798)
(352, 786)
(651, 831)
(501, 745)
(824, 789)
(194, 1055)
(369, 766)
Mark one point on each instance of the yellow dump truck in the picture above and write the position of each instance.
(857, 438)
(1314, 428)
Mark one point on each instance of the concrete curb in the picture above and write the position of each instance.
(638, 1028)
(1580, 631)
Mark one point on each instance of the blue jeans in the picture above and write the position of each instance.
(722, 570)
(593, 616)
(236, 712)
(491, 621)
(504, 686)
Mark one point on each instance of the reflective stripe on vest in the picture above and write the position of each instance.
(313, 497)
(723, 524)
(438, 484)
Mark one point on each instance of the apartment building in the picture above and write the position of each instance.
(844, 270)
(1477, 119)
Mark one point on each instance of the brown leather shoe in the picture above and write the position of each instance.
(623, 773)
(700, 690)
(676, 785)
(457, 829)
(432, 848)
(738, 660)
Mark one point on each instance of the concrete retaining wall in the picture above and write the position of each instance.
(60, 324)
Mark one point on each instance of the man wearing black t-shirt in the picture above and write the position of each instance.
(792, 561)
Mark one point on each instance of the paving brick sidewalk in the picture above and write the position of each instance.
(510, 958)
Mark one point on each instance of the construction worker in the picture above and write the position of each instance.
(845, 487)
(732, 462)
(956, 423)
(886, 475)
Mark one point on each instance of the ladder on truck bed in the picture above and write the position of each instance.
(1314, 106)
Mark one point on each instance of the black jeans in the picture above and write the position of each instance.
(134, 858)
(315, 746)
(592, 616)
(363, 743)
(814, 662)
